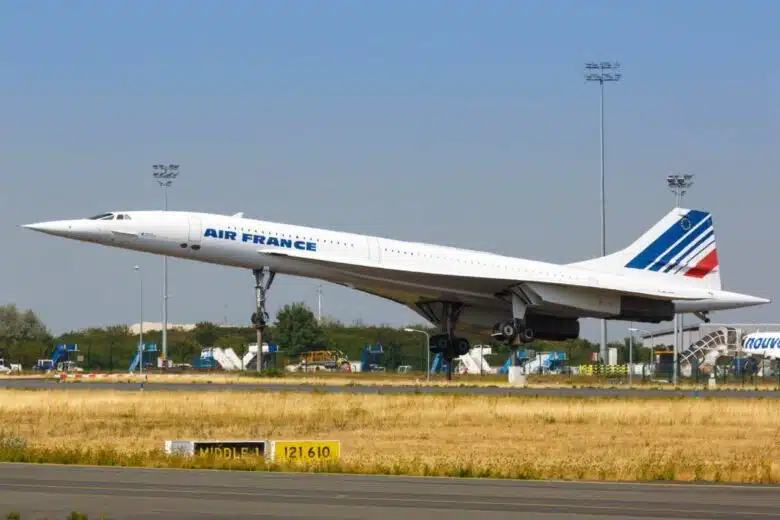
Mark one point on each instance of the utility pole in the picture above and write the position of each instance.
(602, 72)
(652, 349)
(679, 185)
(141, 321)
(319, 304)
(164, 175)
(630, 356)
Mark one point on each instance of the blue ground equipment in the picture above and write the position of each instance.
(149, 350)
(439, 364)
(371, 358)
(60, 350)
(205, 361)
(554, 360)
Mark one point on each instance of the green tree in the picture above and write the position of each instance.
(184, 350)
(206, 333)
(23, 336)
(17, 326)
(297, 329)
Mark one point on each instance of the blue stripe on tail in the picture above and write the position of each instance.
(687, 257)
(684, 244)
(676, 231)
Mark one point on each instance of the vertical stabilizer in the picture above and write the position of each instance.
(680, 245)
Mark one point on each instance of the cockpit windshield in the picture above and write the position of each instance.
(111, 216)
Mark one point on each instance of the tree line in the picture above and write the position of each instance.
(24, 339)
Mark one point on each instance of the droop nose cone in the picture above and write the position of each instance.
(59, 227)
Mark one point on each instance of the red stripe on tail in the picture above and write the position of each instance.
(705, 265)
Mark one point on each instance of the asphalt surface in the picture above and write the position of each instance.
(48, 491)
(383, 389)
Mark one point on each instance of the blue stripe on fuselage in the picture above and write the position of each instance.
(675, 232)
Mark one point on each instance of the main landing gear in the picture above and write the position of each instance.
(516, 330)
(513, 331)
(263, 279)
(446, 343)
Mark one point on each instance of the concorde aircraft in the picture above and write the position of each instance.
(672, 268)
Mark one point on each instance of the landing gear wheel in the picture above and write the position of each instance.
(442, 343)
(527, 335)
(462, 346)
(508, 330)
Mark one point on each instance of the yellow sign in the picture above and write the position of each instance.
(305, 451)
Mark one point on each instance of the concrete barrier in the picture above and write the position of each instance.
(517, 377)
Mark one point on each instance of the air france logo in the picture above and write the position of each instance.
(762, 343)
(261, 239)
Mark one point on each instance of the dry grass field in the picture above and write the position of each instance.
(518, 437)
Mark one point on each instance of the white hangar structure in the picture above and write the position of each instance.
(703, 344)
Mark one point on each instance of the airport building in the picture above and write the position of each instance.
(153, 326)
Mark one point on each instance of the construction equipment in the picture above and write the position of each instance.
(324, 360)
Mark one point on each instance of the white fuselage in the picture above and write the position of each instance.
(762, 344)
(394, 269)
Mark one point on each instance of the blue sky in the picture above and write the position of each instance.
(368, 117)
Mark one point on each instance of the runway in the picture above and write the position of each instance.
(37, 491)
(384, 389)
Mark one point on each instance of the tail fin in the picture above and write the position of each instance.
(681, 245)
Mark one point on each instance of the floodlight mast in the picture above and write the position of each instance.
(679, 185)
(164, 175)
(319, 304)
(602, 72)
(141, 318)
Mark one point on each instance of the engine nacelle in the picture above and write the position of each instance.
(646, 310)
(552, 328)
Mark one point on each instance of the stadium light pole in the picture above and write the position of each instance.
(428, 350)
(679, 185)
(652, 343)
(141, 320)
(602, 72)
(164, 175)
(631, 331)
(319, 304)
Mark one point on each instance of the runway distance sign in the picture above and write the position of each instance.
(231, 449)
(305, 451)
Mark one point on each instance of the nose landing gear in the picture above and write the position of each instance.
(263, 279)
